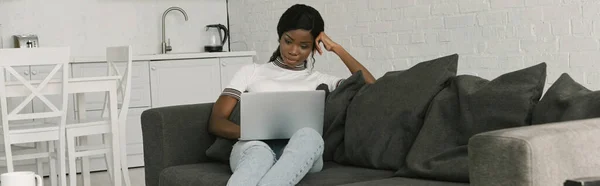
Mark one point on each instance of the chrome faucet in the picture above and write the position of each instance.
(166, 47)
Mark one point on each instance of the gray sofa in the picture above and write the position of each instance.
(176, 138)
(425, 126)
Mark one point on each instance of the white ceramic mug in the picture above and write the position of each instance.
(24, 178)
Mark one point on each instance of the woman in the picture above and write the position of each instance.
(300, 31)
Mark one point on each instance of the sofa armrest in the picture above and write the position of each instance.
(175, 135)
(546, 154)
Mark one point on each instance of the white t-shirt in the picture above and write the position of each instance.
(275, 76)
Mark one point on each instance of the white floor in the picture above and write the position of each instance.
(102, 178)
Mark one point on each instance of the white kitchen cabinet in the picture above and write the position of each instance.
(189, 81)
(229, 66)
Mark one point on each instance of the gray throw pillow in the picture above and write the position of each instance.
(336, 105)
(221, 148)
(468, 106)
(384, 118)
(567, 100)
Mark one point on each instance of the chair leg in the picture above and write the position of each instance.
(62, 150)
(116, 146)
(124, 165)
(85, 164)
(116, 159)
(107, 157)
(125, 171)
(85, 171)
(39, 162)
(52, 163)
(9, 159)
(85, 161)
(72, 160)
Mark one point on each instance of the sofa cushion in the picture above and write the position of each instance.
(567, 100)
(468, 106)
(196, 174)
(406, 182)
(335, 112)
(336, 174)
(219, 173)
(384, 118)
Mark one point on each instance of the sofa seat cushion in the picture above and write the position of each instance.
(336, 174)
(219, 173)
(406, 182)
(195, 174)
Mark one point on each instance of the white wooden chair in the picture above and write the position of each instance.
(45, 126)
(116, 55)
(82, 129)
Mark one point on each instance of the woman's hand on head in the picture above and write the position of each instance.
(352, 64)
(329, 44)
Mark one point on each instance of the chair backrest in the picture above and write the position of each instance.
(114, 56)
(31, 89)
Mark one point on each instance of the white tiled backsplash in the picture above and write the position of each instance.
(89, 26)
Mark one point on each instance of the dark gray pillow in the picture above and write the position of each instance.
(384, 118)
(567, 100)
(336, 105)
(220, 150)
(468, 106)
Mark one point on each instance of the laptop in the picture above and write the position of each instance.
(278, 115)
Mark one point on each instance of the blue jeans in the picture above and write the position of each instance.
(255, 163)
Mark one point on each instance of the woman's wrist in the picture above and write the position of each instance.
(338, 49)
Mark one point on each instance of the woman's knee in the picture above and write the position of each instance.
(308, 139)
(257, 149)
(245, 147)
(308, 135)
(251, 144)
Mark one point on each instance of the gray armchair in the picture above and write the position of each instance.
(176, 135)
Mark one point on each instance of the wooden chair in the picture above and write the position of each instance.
(85, 127)
(45, 126)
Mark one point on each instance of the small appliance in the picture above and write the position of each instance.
(216, 39)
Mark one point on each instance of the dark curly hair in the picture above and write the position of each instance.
(299, 16)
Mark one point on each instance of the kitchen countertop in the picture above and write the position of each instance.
(169, 56)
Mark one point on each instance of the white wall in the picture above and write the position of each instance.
(492, 36)
(88, 26)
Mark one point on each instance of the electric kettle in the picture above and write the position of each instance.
(216, 39)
